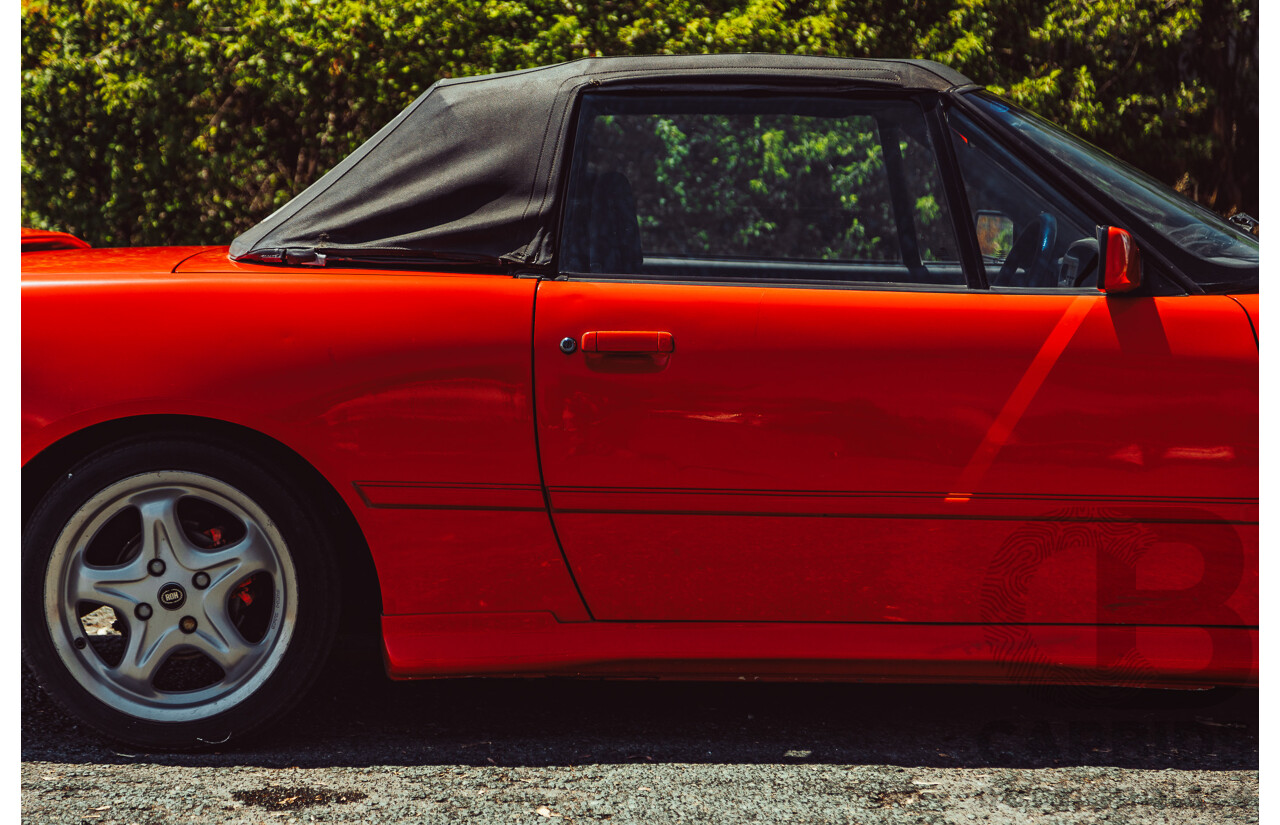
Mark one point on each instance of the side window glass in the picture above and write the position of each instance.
(934, 229)
(1029, 235)
(757, 188)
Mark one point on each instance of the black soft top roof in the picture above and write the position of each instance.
(470, 170)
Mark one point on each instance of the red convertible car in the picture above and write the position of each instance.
(736, 366)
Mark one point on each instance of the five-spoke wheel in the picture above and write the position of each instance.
(181, 593)
(200, 585)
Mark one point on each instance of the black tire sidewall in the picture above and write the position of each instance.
(309, 545)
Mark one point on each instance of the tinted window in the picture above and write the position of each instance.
(757, 187)
(1224, 254)
(1028, 234)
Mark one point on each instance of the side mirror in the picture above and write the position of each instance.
(1120, 259)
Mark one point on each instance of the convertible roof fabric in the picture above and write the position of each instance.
(470, 170)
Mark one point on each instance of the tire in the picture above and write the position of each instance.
(222, 636)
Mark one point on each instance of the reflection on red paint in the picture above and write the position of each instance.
(1222, 453)
(1131, 454)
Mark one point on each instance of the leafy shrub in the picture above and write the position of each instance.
(188, 121)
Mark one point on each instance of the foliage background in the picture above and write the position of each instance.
(187, 121)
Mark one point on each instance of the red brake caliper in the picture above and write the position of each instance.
(242, 590)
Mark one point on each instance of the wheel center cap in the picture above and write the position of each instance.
(172, 596)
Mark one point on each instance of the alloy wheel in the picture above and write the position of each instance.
(170, 596)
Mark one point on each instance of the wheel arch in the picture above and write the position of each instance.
(361, 586)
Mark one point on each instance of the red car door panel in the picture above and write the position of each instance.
(808, 454)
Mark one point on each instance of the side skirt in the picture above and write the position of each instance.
(536, 644)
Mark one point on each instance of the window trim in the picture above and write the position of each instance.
(903, 215)
(778, 283)
(957, 198)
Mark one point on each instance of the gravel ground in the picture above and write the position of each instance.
(363, 749)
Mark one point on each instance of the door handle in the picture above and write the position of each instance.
(628, 341)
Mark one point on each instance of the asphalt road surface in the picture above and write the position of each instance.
(361, 748)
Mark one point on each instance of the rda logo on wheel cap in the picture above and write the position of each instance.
(172, 596)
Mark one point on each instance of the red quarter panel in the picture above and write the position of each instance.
(414, 386)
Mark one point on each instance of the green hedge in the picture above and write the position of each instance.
(187, 122)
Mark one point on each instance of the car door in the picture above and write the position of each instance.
(767, 390)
